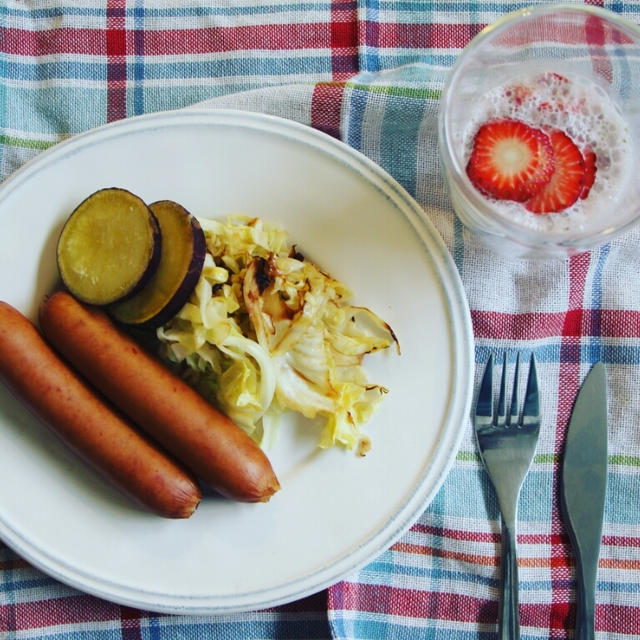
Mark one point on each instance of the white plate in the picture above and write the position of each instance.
(335, 511)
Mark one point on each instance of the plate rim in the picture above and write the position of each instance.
(445, 449)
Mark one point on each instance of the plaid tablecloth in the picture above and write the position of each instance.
(368, 72)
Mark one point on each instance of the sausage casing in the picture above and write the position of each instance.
(217, 451)
(91, 428)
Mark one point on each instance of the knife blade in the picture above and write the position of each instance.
(583, 488)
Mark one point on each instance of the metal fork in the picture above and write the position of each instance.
(507, 442)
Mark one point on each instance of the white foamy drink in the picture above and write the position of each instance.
(582, 110)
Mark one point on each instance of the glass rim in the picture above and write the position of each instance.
(455, 172)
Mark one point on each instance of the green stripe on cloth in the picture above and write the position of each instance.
(398, 92)
(26, 143)
(627, 461)
(551, 458)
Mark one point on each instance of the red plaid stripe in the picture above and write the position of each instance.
(410, 603)
(610, 323)
(22, 42)
(326, 107)
(344, 39)
(597, 37)
(326, 103)
(130, 621)
(116, 48)
(272, 37)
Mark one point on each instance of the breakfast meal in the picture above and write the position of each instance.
(547, 144)
(177, 343)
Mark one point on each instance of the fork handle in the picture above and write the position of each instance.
(508, 619)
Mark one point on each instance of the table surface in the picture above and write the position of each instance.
(370, 74)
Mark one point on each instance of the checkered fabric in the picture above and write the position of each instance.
(368, 72)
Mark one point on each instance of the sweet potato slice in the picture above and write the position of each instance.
(181, 261)
(109, 247)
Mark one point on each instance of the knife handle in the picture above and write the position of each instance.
(585, 601)
(508, 619)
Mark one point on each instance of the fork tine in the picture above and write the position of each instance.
(484, 404)
(531, 407)
(501, 414)
(515, 400)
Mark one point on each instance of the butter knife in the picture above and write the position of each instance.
(583, 488)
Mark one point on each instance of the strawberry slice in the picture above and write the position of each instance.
(510, 160)
(567, 180)
(590, 170)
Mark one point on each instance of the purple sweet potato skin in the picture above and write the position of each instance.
(166, 293)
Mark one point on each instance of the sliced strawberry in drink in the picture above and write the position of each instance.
(510, 160)
(590, 170)
(567, 180)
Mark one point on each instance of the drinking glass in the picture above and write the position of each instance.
(599, 49)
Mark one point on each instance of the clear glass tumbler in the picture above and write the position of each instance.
(575, 68)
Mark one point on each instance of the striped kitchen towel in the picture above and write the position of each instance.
(367, 72)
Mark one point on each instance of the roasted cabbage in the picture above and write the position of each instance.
(266, 331)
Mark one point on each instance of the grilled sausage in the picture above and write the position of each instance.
(86, 424)
(219, 453)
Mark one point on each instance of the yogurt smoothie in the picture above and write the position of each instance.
(580, 109)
